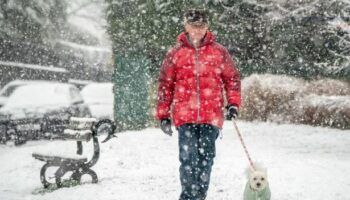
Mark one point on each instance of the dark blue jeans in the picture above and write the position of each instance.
(197, 152)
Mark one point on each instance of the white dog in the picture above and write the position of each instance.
(257, 187)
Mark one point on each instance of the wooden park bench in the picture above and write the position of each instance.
(80, 130)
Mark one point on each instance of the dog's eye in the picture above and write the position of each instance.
(262, 179)
(254, 179)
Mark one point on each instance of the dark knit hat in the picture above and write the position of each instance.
(196, 17)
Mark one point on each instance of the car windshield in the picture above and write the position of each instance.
(6, 92)
(39, 95)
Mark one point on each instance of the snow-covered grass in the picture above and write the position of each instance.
(303, 163)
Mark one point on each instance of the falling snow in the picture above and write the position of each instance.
(101, 59)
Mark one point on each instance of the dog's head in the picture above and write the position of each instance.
(257, 179)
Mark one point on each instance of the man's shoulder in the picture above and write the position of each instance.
(174, 48)
(219, 47)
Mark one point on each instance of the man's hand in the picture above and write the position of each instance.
(232, 112)
(165, 125)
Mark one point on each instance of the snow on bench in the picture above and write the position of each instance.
(57, 158)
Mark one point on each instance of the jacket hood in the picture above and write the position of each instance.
(208, 39)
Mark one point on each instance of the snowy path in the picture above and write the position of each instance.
(304, 163)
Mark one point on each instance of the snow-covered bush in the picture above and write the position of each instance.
(269, 97)
(286, 99)
(319, 110)
(328, 87)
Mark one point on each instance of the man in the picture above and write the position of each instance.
(191, 82)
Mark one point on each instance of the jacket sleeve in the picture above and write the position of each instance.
(231, 80)
(166, 83)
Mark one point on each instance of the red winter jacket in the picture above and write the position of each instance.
(192, 82)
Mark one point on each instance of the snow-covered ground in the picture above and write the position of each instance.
(304, 163)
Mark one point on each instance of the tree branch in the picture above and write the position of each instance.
(84, 5)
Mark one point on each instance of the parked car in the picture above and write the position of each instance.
(80, 84)
(100, 99)
(38, 110)
(10, 87)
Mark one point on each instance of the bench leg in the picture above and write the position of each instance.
(77, 175)
(43, 179)
(92, 174)
(62, 170)
(59, 174)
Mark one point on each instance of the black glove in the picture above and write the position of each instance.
(165, 125)
(232, 111)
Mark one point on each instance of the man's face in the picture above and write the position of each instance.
(196, 33)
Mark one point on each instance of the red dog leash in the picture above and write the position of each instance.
(242, 142)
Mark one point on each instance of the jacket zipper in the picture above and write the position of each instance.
(197, 84)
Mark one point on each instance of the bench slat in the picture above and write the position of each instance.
(78, 135)
(80, 123)
(58, 159)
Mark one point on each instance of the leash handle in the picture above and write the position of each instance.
(242, 142)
